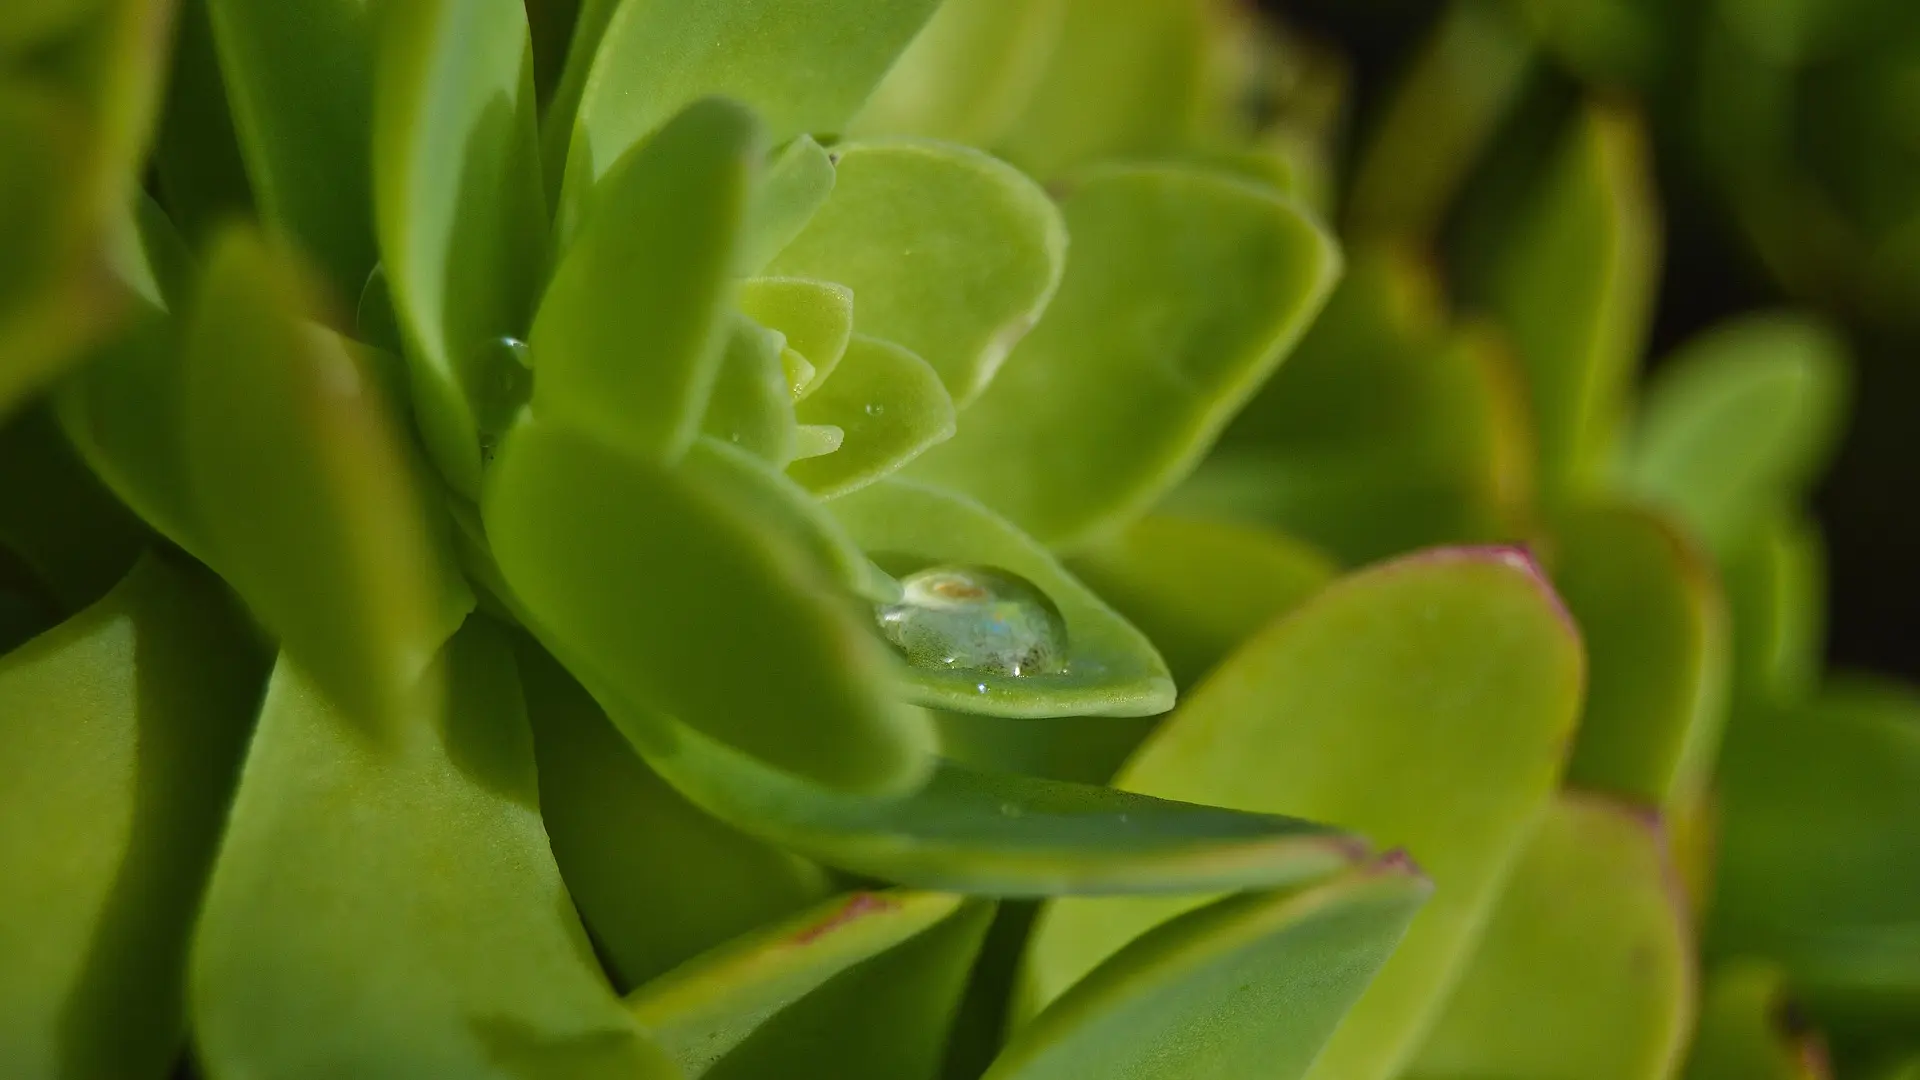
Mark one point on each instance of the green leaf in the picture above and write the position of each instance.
(657, 880)
(120, 733)
(304, 489)
(423, 929)
(816, 317)
(197, 165)
(1110, 669)
(1740, 422)
(1776, 585)
(24, 26)
(798, 180)
(752, 404)
(968, 74)
(987, 834)
(869, 980)
(630, 334)
(1750, 1030)
(1250, 986)
(1573, 281)
(299, 75)
(803, 65)
(1200, 588)
(1374, 704)
(948, 251)
(648, 582)
(590, 19)
(1654, 621)
(58, 519)
(458, 202)
(890, 407)
(1184, 290)
(1585, 968)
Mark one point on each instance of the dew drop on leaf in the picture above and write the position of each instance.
(975, 618)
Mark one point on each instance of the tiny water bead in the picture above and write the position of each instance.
(975, 618)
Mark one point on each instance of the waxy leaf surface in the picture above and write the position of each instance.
(890, 407)
(816, 317)
(968, 74)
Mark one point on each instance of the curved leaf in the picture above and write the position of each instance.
(1250, 986)
(1751, 1030)
(1776, 587)
(889, 406)
(1184, 290)
(423, 930)
(870, 979)
(948, 251)
(1374, 704)
(752, 403)
(664, 589)
(816, 317)
(1110, 669)
(968, 74)
(459, 207)
(120, 734)
(798, 180)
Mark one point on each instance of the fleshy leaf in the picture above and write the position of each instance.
(968, 74)
(752, 405)
(948, 251)
(816, 317)
(1373, 704)
(1776, 586)
(656, 880)
(994, 835)
(1751, 1030)
(870, 978)
(459, 208)
(299, 75)
(120, 734)
(664, 589)
(304, 489)
(1585, 968)
(889, 406)
(1112, 398)
(1654, 621)
(631, 331)
(798, 180)
(1739, 423)
(1249, 986)
(424, 929)
(1109, 668)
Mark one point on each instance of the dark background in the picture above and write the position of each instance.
(1873, 537)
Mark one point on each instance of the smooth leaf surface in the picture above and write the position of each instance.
(869, 980)
(459, 209)
(1585, 968)
(657, 880)
(1776, 588)
(969, 73)
(1739, 422)
(120, 734)
(1110, 669)
(631, 331)
(1376, 704)
(424, 929)
(304, 488)
(752, 403)
(1751, 1030)
(1249, 986)
(644, 581)
(1654, 620)
(890, 407)
(799, 177)
(816, 317)
(949, 252)
(1185, 288)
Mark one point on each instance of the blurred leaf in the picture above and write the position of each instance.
(153, 258)
(804, 66)
(948, 251)
(1585, 968)
(1250, 986)
(197, 167)
(59, 520)
(1374, 704)
(459, 208)
(423, 930)
(799, 178)
(889, 406)
(969, 73)
(1622, 45)
(590, 19)
(24, 26)
(657, 880)
(630, 333)
(645, 581)
(816, 317)
(860, 987)
(992, 835)
(1776, 583)
(299, 75)
(1200, 588)
(1184, 290)
(304, 489)
(1654, 621)
(752, 405)
(1750, 1030)
(1083, 749)
(1109, 667)
(1740, 422)
(120, 733)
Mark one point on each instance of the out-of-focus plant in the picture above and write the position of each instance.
(675, 556)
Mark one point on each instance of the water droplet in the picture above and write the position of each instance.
(978, 688)
(1008, 809)
(874, 408)
(975, 618)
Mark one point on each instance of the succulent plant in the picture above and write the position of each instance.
(890, 538)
